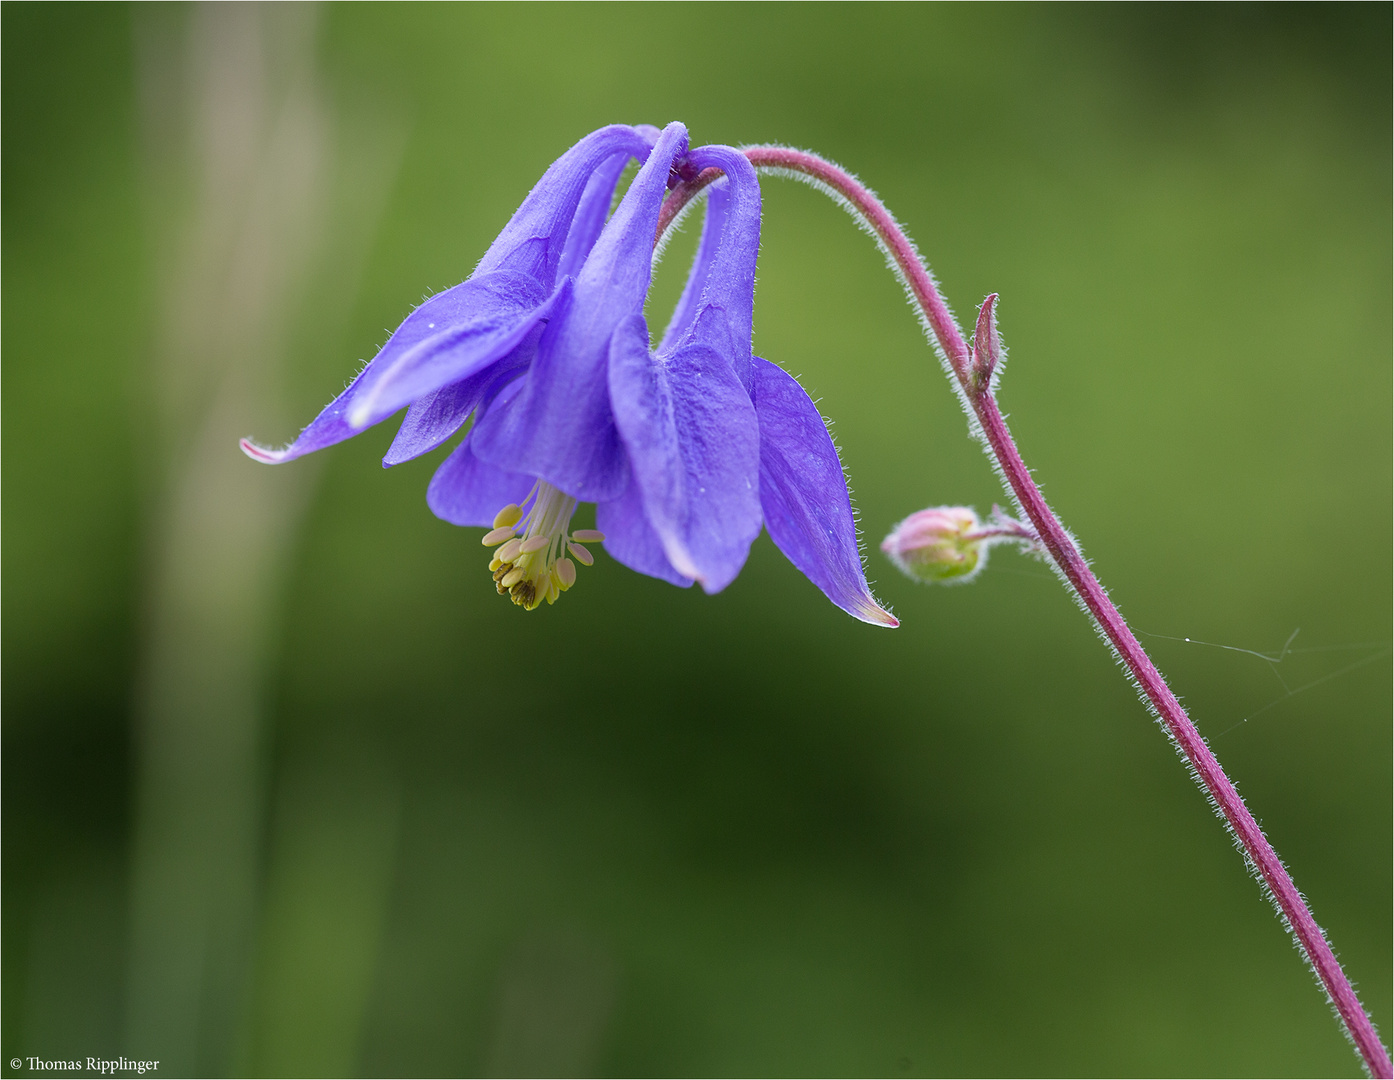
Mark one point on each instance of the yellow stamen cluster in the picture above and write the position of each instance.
(533, 567)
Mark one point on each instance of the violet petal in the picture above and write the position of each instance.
(718, 303)
(630, 539)
(466, 491)
(694, 449)
(803, 492)
(560, 427)
(536, 236)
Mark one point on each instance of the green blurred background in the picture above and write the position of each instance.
(288, 790)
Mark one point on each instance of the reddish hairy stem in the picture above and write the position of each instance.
(986, 418)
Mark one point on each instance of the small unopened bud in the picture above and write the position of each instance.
(987, 345)
(941, 544)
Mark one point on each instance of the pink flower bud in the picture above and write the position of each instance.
(941, 544)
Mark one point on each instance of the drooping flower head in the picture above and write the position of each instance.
(686, 450)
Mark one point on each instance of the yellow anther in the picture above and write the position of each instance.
(506, 518)
(530, 562)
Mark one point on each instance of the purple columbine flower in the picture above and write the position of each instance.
(686, 451)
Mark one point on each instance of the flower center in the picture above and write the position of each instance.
(531, 563)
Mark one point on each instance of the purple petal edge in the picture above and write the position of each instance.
(630, 539)
(466, 491)
(694, 452)
(803, 492)
(326, 429)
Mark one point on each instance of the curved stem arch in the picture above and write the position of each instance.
(988, 425)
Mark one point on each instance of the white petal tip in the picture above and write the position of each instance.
(683, 564)
(871, 612)
(261, 453)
